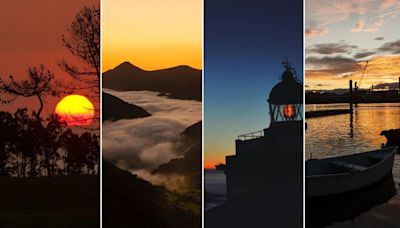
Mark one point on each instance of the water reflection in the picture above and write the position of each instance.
(327, 210)
(351, 134)
(347, 134)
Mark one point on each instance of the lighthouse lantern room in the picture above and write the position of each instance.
(285, 100)
(277, 148)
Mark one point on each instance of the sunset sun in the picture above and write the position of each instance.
(75, 110)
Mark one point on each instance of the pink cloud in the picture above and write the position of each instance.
(374, 13)
(310, 32)
(358, 26)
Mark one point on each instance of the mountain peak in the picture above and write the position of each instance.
(179, 82)
(127, 66)
(185, 67)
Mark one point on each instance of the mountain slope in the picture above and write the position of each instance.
(129, 201)
(116, 109)
(181, 82)
(190, 164)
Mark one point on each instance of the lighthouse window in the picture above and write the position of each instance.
(289, 111)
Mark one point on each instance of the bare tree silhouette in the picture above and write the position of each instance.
(34, 146)
(83, 41)
(40, 83)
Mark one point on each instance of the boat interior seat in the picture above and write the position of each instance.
(375, 157)
(346, 165)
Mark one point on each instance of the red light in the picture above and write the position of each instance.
(289, 111)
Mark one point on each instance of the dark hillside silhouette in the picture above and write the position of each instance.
(132, 202)
(63, 201)
(194, 131)
(181, 82)
(115, 109)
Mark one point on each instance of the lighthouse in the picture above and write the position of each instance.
(272, 156)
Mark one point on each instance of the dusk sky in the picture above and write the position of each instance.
(152, 34)
(341, 35)
(245, 43)
(30, 36)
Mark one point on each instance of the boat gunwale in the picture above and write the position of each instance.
(390, 154)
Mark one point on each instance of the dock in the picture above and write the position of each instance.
(322, 113)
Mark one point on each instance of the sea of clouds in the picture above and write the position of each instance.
(141, 145)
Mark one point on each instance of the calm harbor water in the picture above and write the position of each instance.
(340, 134)
(345, 134)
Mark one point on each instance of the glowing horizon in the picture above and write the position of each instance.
(30, 39)
(149, 69)
(152, 35)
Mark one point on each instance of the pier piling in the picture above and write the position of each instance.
(351, 95)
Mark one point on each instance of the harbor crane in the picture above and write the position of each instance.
(362, 76)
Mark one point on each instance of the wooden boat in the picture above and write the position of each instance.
(346, 173)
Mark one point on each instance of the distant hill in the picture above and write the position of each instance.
(190, 164)
(194, 131)
(181, 82)
(390, 86)
(116, 109)
(129, 201)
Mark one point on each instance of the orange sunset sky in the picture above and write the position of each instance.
(152, 34)
(31, 34)
(342, 35)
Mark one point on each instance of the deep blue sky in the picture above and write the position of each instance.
(245, 42)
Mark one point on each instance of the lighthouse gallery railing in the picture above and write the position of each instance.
(251, 135)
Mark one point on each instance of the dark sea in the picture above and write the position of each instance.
(215, 188)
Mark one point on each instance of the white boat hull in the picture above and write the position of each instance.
(320, 184)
